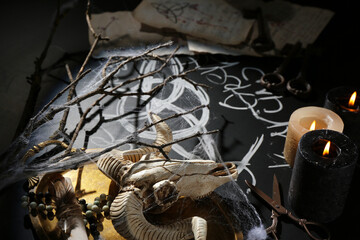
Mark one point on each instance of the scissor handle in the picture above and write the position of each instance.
(272, 81)
(305, 223)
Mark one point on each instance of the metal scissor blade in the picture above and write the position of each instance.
(274, 204)
(276, 191)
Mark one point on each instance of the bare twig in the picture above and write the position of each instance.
(70, 96)
(88, 20)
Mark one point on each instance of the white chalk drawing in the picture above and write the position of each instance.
(239, 99)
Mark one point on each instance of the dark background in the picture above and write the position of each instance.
(25, 26)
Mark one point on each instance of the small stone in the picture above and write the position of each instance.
(33, 205)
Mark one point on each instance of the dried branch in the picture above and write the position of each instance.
(70, 96)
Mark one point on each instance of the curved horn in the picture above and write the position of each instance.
(163, 136)
(127, 216)
(111, 165)
(199, 227)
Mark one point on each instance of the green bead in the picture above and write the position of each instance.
(89, 206)
(24, 198)
(89, 214)
(97, 199)
(49, 208)
(33, 205)
(24, 204)
(105, 208)
(41, 207)
(95, 208)
(85, 222)
(96, 202)
(108, 203)
(102, 196)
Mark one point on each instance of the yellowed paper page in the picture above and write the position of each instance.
(122, 29)
(213, 20)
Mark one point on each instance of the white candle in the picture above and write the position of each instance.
(300, 123)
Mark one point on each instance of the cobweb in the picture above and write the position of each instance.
(114, 114)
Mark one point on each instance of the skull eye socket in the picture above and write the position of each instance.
(165, 192)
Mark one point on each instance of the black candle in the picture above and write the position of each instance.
(345, 101)
(321, 180)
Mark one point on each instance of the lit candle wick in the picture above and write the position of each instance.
(352, 99)
(313, 125)
(326, 151)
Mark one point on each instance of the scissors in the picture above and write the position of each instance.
(278, 210)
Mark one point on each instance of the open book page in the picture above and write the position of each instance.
(121, 27)
(213, 20)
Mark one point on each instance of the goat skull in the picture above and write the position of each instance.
(157, 183)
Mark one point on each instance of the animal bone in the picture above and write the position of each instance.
(148, 181)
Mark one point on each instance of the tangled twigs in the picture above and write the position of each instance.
(92, 100)
(105, 93)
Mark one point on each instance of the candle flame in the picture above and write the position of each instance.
(326, 151)
(352, 99)
(313, 125)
